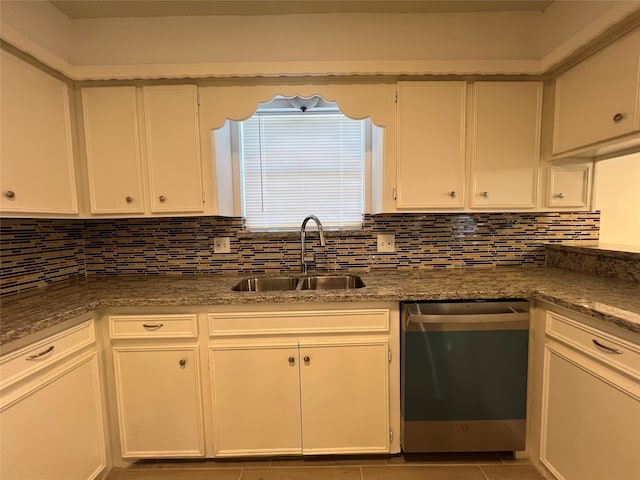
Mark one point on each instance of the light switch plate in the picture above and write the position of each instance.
(386, 243)
(222, 245)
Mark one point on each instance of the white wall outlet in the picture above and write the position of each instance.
(386, 243)
(222, 245)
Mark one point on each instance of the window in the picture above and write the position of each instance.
(301, 161)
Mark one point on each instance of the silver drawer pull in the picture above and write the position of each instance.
(155, 326)
(606, 348)
(41, 354)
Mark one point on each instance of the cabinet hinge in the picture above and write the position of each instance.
(396, 97)
(390, 435)
(389, 355)
(395, 194)
(204, 196)
(198, 99)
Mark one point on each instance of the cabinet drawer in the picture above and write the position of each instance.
(283, 322)
(153, 326)
(610, 349)
(28, 360)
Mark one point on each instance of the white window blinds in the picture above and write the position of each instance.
(294, 165)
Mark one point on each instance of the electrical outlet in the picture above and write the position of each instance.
(222, 245)
(386, 243)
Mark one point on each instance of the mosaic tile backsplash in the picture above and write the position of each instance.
(39, 252)
(35, 253)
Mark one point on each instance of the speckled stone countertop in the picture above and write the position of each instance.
(608, 300)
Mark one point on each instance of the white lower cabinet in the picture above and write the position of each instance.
(256, 399)
(157, 386)
(344, 392)
(159, 401)
(303, 382)
(51, 422)
(310, 399)
(590, 404)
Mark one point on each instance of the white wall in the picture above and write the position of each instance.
(617, 196)
(499, 42)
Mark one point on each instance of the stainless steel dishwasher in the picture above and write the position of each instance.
(464, 375)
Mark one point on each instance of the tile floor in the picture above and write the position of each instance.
(479, 466)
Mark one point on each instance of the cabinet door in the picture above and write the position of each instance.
(256, 400)
(55, 431)
(591, 421)
(173, 148)
(599, 99)
(345, 398)
(113, 151)
(431, 145)
(569, 186)
(505, 144)
(37, 173)
(159, 401)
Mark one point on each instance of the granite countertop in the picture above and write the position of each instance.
(608, 300)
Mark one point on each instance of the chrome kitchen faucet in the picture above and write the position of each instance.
(304, 259)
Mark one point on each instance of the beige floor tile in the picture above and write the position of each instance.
(302, 473)
(465, 458)
(174, 474)
(424, 472)
(511, 472)
(509, 459)
(329, 460)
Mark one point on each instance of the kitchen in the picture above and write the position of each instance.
(440, 252)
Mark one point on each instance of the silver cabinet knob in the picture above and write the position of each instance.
(484, 194)
(617, 118)
(307, 359)
(560, 195)
(162, 198)
(292, 360)
(10, 194)
(452, 194)
(182, 362)
(129, 199)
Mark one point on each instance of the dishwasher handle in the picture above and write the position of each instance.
(420, 322)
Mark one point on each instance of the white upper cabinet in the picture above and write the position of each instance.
(598, 100)
(173, 148)
(113, 149)
(569, 187)
(142, 150)
(505, 144)
(37, 170)
(431, 145)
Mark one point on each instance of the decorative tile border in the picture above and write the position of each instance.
(184, 245)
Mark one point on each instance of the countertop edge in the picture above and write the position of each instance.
(380, 290)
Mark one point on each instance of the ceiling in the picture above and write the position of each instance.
(76, 9)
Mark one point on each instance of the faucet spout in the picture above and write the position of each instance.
(304, 259)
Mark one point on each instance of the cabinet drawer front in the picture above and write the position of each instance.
(153, 326)
(607, 348)
(35, 357)
(259, 323)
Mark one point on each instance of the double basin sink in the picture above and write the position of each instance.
(314, 282)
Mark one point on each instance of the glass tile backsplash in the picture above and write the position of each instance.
(38, 252)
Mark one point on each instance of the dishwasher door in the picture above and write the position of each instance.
(464, 376)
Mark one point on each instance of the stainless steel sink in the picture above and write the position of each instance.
(331, 282)
(265, 284)
(316, 282)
